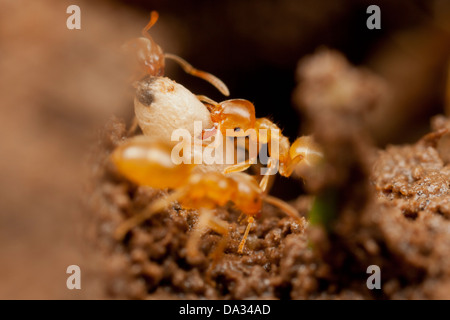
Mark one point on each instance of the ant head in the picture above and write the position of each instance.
(148, 54)
(237, 115)
(306, 149)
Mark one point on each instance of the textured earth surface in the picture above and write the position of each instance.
(370, 203)
(401, 225)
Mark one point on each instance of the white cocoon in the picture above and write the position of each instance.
(161, 106)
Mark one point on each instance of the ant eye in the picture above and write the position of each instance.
(237, 129)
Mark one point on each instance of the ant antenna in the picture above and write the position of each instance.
(153, 18)
(188, 68)
(284, 206)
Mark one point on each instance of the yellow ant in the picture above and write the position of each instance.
(234, 117)
(151, 57)
(148, 162)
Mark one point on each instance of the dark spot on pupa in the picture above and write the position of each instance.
(144, 93)
(145, 97)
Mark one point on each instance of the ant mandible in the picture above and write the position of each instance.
(152, 58)
(148, 162)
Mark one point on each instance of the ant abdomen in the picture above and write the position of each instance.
(148, 162)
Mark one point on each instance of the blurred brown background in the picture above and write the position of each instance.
(59, 86)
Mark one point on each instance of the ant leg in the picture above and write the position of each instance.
(284, 206)
(268, 183)
(155, 207)
(153, 18)
(242, 166)
(250, 221)
(271, 167)
(216, 82)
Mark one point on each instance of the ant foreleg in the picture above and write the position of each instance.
(272, 165)
(242, 166)
(269, 183)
